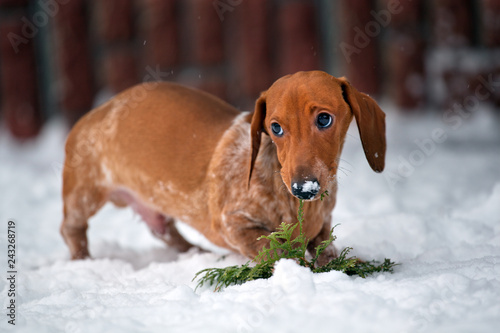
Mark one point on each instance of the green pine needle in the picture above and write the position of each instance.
(282, 245)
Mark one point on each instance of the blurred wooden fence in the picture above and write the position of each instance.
(60, 56)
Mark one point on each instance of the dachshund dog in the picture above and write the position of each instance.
(176, 153)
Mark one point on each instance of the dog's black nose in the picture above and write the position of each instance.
(305, 190)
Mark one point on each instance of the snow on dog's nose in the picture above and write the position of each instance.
(305, 190)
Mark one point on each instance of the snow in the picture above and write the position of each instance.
(310, 186)
(441, 222)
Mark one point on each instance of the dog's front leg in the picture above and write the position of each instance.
(242, 232)
(330, 252)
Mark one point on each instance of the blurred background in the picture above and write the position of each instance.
(62, 57)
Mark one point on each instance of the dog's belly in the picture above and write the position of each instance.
(160, 211)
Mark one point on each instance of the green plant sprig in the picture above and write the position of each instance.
(282, 245)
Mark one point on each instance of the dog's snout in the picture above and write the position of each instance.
(305, 190)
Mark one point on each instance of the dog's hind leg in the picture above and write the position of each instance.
(170, 235)
(80, 204)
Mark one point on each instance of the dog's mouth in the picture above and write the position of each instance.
(306, 190)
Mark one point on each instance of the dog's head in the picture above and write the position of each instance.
(307, 115)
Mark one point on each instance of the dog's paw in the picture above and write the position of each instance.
(328, 255)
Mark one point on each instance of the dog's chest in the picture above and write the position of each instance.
(266, 200)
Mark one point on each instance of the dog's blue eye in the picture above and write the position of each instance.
(324, 120)
(276, 128)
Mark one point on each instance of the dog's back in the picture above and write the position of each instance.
(175, 122)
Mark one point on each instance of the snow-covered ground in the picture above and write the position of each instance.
(435, 210)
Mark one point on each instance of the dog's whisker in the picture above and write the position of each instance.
(345, 170)
(345, 161)
(353, 136)
(349, 167)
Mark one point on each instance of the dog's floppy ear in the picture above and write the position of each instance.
(371, 124)
(256, 128)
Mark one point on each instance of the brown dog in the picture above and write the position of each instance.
(173, 152)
